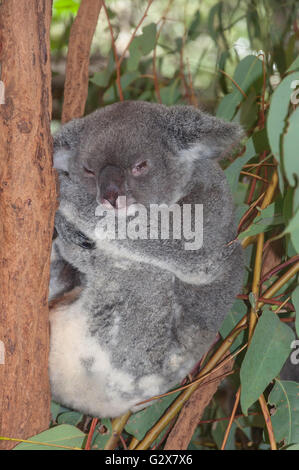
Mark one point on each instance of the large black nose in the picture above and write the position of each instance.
(111, 194)
(111, 184)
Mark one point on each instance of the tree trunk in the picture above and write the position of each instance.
(27, 207)
(76, 76)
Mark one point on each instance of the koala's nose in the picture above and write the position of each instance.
(111, 194)
(111, 185)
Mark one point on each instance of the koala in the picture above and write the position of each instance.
(148, 308)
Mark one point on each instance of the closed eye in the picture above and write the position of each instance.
(140, 168)
(87, 171)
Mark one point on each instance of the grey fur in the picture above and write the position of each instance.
(149, 309)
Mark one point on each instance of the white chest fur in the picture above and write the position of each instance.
(81, 374)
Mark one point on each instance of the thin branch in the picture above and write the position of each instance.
(227, 418)
(269, 301)
(91, 433)
(253, 175)
(279, 268)
(227, 431)
(268, 422)
(156, 81)
(280, 283)
(193, 96)
(234, 82)
(135, 31)
(248, 212)
(199, 379)
(255, 290)
(117, 64)
(118, 425)
(266, 201)
(261, 124)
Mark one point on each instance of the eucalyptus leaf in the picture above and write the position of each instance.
(70, 417)
(295, 301)
(266, 354)
(293, 229)
(100, 439)
(247, 74)
(139, 423)
(236, 313)
(294, 65)
(63, 435)
(232, 172)
(285, 418)
(290, 148)
(276, 121)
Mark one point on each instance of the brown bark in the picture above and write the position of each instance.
(27, 207)
(188, 420)
(76, 77)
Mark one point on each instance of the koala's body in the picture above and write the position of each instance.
(148, 309)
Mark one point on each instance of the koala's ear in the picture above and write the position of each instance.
(207, 136)
(66, 142)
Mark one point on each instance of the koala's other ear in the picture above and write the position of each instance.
(66, 142)
(207, 136)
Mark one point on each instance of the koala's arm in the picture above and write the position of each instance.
(63, 276)
(202, 309)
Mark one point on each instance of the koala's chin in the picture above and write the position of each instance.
(131, 317)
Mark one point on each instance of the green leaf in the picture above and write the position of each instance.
(261, 142)
(285, 419)
(268, 351)
(232, 172)
(128, 78)
(141, 45)
(139, 423)
(295, 301)
(263, 222)
(214, 20)
(237, 312)
(148, 38)
(296, 199)
(63, 435)
(227, 107)
(55, 410)
(134, 58)
(171, 93)
(247, 74)
(66, 6)
(100, 439)
(218, 431)
(70, 417)
(293, 229)
(290, 148)
(294, 65)
(288, 205)
(125, 81)
(293, 447)
(248, 111)
(194, 28)
(277, 115)
(101, 79)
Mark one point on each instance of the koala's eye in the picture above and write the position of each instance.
(140, 168)
(87, 171)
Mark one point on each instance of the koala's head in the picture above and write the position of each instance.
(146, 152)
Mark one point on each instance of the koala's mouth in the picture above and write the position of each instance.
(120, 204)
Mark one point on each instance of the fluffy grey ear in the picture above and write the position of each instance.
(66, 142)
(207, 136)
